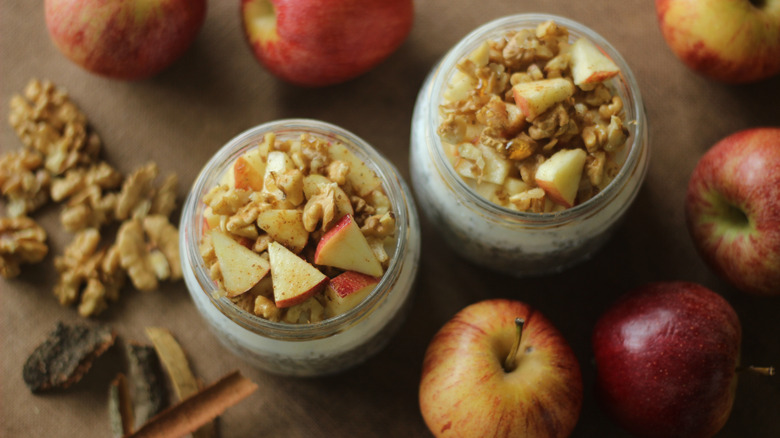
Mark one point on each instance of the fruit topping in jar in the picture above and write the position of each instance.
(298, 230)
(531, 122)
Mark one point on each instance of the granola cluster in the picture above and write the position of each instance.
(497, 143)
(291, 192)
(59, 162)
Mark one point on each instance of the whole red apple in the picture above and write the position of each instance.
(478, 381)
(324, 42)
(733, 41)
(733, 209)
(666, 359)
(124, 39)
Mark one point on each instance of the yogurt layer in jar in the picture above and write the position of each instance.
(300, 245)
(529, 143)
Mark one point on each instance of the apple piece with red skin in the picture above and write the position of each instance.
(559, 176)
(130, 40)
(589, 65)
(294, 279)
(733, 41)
(666, 358)
(345, 247)
(324, 42)
(347, 290)
(732, 209)
(478, 381)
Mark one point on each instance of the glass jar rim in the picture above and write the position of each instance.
(192, 227)
(638, 125)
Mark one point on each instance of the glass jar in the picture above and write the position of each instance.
(520, 243)
(318, 348)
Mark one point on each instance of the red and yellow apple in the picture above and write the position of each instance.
(734, 41)
(124, 39)
(732, 209)
(666, 357)
(500, 368)
(324, 42)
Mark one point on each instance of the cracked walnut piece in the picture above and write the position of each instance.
(139, 196)
(23, 182)
(47, 121)
(88, 274)
(22, 240)
(149, 251)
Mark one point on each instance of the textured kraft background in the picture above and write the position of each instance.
(182, 116)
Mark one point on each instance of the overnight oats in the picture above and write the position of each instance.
(529, 142)
(300, 245)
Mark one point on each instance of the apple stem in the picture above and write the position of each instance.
(509, 363)
(766, 371)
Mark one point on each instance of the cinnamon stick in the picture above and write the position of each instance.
(199, 409)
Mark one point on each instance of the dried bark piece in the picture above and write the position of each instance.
(199, 409)
(175, 362)
(120, 407)
(65, 356)
(149, 391)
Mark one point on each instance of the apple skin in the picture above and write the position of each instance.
(732, 209)
(465, 391)
(325, 42)
(666, 358)
(732, 41)
(124, 39)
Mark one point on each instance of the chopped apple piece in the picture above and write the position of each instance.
(347, 290)
(459, 86)
(487, 190)
(496, 167)
(285, 227)
(560, 175)
(294, 279)
(589, 65)
(241, 267)
(278, 162)
(344, 246)
(249, 170)
(361, 176)
(513, 186)
(536, 97)
(481, 55)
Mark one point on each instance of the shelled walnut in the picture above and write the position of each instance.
(148, 251)
(89, 274)
(23, 182)
(59, 162)
(47, 121)
(22, 240)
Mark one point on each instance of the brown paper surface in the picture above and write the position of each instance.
(217, 89)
